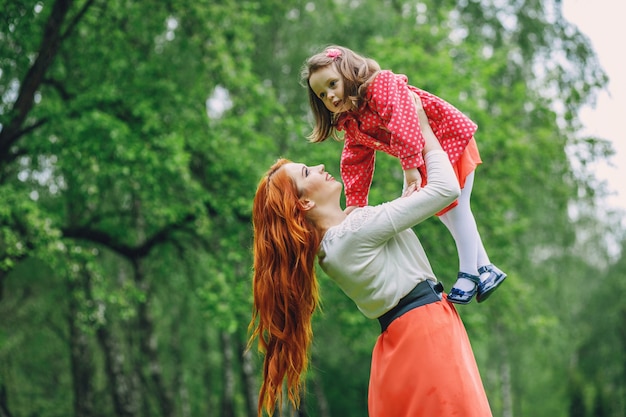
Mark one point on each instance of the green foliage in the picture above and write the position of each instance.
(126, 192)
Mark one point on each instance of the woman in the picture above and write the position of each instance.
(422, 363)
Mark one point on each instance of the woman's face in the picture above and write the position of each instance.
(314, 183)
(327, 84)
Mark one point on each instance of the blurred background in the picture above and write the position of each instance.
(133, 134)
(602, 22)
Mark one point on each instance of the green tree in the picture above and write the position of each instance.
(132, 138)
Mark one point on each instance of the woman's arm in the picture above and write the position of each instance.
(440, 191)
(431, 143)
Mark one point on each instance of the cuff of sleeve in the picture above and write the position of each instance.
(414, 161)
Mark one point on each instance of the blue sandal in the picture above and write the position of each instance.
(488, 286)
(464, 297)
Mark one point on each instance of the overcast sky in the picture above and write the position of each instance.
(604, 22)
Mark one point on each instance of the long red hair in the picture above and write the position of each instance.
(284, 285)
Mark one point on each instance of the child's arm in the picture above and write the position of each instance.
(357, 171)
(412, 175)
(392, 100)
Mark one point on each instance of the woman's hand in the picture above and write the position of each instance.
(418, 101)
(431, 141)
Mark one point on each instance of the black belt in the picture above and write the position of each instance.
(425, 292)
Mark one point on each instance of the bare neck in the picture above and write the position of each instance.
(325, 218)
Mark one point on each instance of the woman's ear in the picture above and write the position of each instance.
(307, 204)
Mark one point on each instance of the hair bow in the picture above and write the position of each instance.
(333, 53)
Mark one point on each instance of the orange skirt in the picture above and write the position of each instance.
(423, 366)
(467, 163)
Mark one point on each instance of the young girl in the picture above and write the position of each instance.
(377, 111)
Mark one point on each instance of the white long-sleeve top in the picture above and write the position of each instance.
(374, 255)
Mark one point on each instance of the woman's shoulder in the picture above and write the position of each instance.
(353, 223)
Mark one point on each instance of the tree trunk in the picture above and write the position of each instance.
(621, 389)
(123, 389)
(249, 381)
(81, 356)
(507, 397)
(212, 402)
(179, 368)
(50, 42)
(4, 406)
(228, 376)
(2, 277)
(505, 375)
(288, 409)
(148, 344)
(320, 396)
(301, 411)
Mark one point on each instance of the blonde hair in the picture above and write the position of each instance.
(284, 285)
(357, 72)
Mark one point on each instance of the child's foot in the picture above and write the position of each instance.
(491, 278)
(464, 289)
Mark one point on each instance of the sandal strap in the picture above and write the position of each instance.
(486, 268)
(473, 278)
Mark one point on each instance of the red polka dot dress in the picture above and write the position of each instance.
(388, 122)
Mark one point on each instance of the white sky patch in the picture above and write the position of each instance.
(218, 103)
(602, 21)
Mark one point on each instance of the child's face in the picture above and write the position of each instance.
(327, 84)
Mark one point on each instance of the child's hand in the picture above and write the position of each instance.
(349, 209)
(413, 181)
(410, 189)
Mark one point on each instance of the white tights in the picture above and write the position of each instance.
(462, 225)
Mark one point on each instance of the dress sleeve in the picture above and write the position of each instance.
(390, 97)
(357, 171)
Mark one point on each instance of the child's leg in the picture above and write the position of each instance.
(483, 258)
(462, 225)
